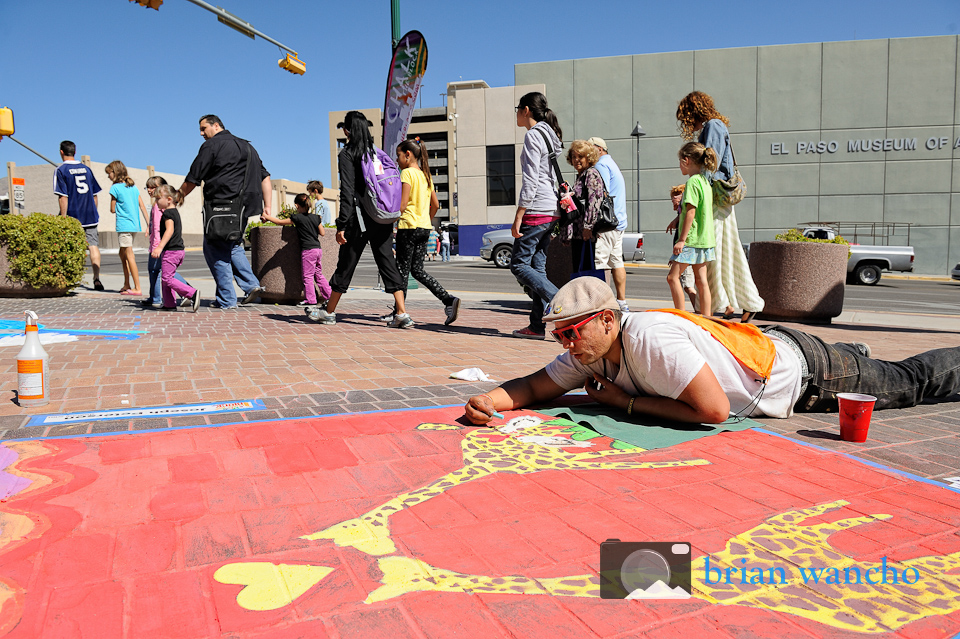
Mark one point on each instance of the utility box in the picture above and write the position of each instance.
(6, 121)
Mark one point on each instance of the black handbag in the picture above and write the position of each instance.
(224, 220)
(607, 217)
(566, 217)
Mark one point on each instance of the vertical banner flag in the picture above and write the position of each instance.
(403, 84)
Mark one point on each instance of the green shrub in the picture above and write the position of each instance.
(796, 235)
(285, 212)
(44, 250)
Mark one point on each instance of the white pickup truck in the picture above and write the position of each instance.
(868, 261)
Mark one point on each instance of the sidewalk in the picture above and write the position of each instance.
(267, 512)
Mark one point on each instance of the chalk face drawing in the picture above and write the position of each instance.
(146, 527)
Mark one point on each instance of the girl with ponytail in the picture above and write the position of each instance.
(356, 226)
(418, 205)
(694, 245)
(537, 207)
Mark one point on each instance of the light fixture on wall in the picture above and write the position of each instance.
(638, 133)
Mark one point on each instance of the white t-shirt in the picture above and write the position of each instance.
(665, 352)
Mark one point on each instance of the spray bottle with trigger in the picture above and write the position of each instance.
(32, 366)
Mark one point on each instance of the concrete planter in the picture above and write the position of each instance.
(16, 288)
(275, 259)
(799, 281)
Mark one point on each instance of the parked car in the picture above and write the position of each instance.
(955, 273)
(497, 247)
(867, 261)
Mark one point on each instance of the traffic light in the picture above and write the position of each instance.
(293, 65)
(149, 4)
(6, 122)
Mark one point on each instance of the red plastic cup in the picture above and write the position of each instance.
(855, 413)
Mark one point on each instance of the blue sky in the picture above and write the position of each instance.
(125, 82)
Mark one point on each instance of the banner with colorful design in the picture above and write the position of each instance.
(403, 84)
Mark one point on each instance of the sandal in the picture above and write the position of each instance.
(747, 317)
(97, 285)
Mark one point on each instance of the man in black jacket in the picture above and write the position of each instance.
(220, 165)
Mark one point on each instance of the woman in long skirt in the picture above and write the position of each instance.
(730, 280)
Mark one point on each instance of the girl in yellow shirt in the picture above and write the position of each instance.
(418, 205)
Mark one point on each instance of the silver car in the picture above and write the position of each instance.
(955, 273)
(497, 247)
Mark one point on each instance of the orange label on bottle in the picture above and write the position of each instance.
(29, 365)
(30, 379)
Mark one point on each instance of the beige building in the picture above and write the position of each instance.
(38, 194)
(436, 129)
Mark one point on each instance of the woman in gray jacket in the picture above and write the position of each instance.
(537, 209)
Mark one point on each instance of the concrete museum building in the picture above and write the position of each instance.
(861, 131)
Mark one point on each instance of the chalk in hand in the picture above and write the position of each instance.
(497, 415)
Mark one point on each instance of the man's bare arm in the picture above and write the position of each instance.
(266, 187)
(63, 205)
(702, 401)
(184, 191)
(517, 393)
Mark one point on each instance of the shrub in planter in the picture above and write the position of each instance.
(799, 278)
(285, 212)
(45, 254)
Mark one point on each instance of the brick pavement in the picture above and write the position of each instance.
(272, 352)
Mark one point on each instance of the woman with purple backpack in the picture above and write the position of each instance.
(357, 225)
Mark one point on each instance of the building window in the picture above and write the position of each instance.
(501, 175)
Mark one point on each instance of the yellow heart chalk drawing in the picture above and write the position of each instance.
(270, 586)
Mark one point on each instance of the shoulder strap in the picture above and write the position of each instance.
(246, 169)
(553, 156)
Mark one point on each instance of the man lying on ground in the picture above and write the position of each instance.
(688, 368)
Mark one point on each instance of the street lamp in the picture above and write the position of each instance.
(638, 133)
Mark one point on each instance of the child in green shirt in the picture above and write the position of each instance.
(695, 243)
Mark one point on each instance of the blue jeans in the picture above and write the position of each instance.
(227, 261)
(153, 267)
(841, 368)
(528, 265)
(445, 251)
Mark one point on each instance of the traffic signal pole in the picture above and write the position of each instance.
(394, 23)
(241, 26)
(31, 150)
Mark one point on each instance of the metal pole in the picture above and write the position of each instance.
(239, 24)
(638, 182)
(31, 150)
(394, 23)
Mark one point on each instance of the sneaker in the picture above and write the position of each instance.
(864, 349)
(305, 303)
(321, 316)
(401, 320)
(185, 302)
(623, 306)
(195, 300)
(388, 317)
(146, 303)
(252, 294)
(225, 308)
(526, 333)
(452, 311)
(97, 285)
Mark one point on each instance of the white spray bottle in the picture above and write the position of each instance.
(32, 366)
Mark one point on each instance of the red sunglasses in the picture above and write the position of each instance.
(572, 333)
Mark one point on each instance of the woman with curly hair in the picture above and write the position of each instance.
(730, 280)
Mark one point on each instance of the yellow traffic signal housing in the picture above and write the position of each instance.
(293, 65)
(6, 122)
(149, 4)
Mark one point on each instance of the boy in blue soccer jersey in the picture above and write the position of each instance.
(77, 188)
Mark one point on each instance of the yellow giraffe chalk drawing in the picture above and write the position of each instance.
(523, 445)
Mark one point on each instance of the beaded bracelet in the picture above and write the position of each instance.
(630, 406)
